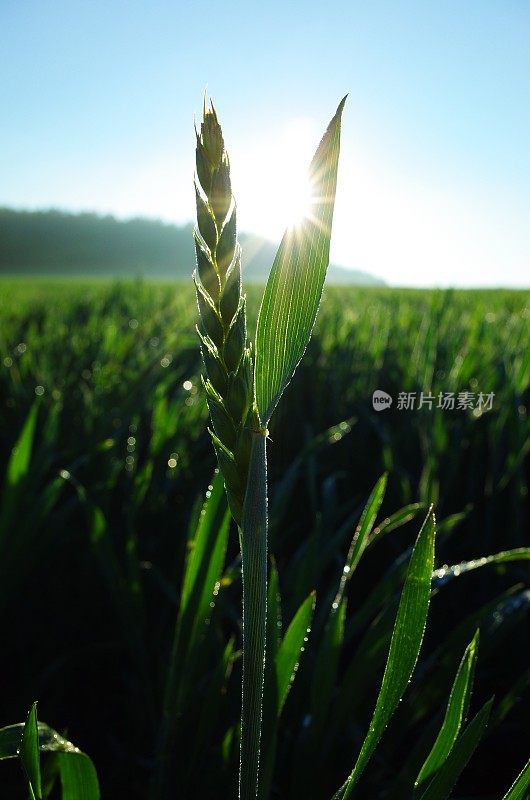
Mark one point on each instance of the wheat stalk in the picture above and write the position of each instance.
(225, 348)
(229, 385)
(238, 395)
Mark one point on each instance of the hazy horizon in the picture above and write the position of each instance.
(434, 185)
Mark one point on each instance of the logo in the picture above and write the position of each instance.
(381, 400)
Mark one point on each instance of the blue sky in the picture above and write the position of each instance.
(98, 101)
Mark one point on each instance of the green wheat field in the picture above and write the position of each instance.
(106, 462)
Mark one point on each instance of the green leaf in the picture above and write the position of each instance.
(326, 665)
(519, 789)
(29, 754)
(205, 720)
(396, 520)
(291, 648)
(16, 478)
(20, 457)
(49, 740)
(445, 574)
(79, 780)
(204, 564)
(362, 534)
(405, 645)
(77, 772)
(455, 713)
(282, 663)
(448, 774)
(294, 288)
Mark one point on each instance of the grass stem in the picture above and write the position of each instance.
(254, 563)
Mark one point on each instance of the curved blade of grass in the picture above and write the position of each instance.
(203, 568)
(28, 753)
(448, 774)
(294, 288)
(17, 470)
(49, 740)
(284, 665)
(396, 520)
(206, 720)
(445, 574)
(79, 780)
(362, 535)
(455, 713)
(205, 562)
(25, 740)
(326, 665)
(291, 648)
(18, 464)
(519, 789)
(405, 645)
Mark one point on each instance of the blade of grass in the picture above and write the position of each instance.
(464, 747)
(203, 568)
(396, 520)
(362, 535)
(445, 574)
(519, 789)
(294, 288)
(79, 780)
(326, 665)
(17, 470)
(206, 719)
(29, 754)
(291, 649)
(285, 667)
(404, 646)
(455, 713)
(77, 772)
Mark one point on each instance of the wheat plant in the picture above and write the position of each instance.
(243, 394)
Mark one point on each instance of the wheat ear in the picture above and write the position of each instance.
(225, 348)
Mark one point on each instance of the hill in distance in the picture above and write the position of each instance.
(59, 243)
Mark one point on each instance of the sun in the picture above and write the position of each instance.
(296, 201)
(272, 183)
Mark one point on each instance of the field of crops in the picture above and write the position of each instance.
(106, 460)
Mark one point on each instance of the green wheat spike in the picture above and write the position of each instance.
(225, 348)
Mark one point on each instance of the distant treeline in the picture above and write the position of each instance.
(57, 243)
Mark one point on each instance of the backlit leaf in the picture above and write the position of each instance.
(294, 288)
(519, 789)
(455, 713)
(442, 784)
(405, 645)
(28, 753)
